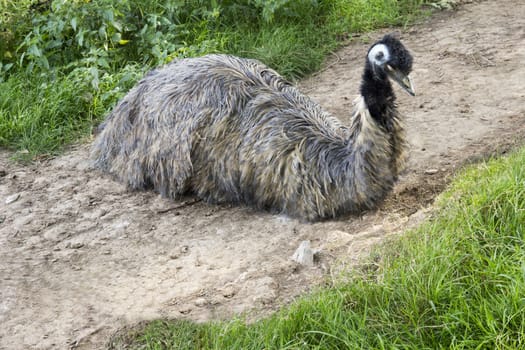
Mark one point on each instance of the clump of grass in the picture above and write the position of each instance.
(355, 16)
(38, 115)
(457, 282)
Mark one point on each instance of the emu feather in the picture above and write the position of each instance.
(233, 130)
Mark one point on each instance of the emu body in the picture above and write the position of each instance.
(233, 130)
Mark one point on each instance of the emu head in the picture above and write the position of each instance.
(389, 58)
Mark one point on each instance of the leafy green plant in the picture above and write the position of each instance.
(71, 33)
(96, 33)
(14, 23)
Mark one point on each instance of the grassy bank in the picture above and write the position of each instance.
(457, 282)
(64, 63)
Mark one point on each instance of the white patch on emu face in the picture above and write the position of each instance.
(379, 55)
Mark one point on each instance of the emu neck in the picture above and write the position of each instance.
(379, 96)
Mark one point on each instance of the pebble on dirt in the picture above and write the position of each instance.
(76, 245)
(431, 171)
(12, 198)
(228, 291)
(304, 255)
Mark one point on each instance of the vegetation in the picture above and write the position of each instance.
(457, 282)
(65, 63)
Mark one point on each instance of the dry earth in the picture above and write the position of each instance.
(82, 256)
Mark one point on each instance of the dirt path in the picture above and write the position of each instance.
(81, 256)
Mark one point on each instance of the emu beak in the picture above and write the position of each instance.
(402, 79)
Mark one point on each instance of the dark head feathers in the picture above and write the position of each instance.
(399, 57)
(387, 60)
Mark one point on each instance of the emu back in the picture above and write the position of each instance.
(233, 130)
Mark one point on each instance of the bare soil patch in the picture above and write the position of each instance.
(81, 256)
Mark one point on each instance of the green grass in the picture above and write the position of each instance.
(61, 59)
(457, 282)
(39, 116)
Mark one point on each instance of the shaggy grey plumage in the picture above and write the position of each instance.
(233, 130)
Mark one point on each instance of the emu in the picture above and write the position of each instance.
(230, 129)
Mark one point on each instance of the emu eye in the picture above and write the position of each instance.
(379, 56)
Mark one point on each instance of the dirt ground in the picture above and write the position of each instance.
(80, 256)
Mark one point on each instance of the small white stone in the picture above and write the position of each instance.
(304, 255)
(12, 198)
(431, 171)
(228, 291)
(200, 302)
